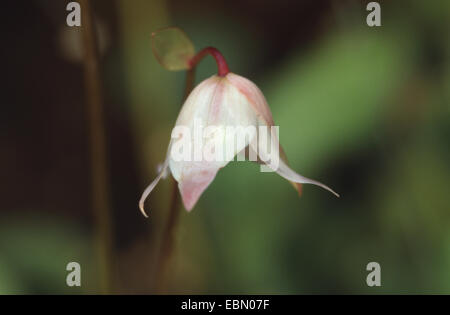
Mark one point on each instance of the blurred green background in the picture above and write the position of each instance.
(364, 110)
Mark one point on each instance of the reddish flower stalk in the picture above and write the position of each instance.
(220, 60)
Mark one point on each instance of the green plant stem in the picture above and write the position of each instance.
(97, 142)
(168, 238)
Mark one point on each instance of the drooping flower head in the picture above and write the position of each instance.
(217, 105)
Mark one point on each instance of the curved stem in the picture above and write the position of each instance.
(220, 60)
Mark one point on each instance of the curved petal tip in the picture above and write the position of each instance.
(327, 188)
(150, 187)
(141, 207)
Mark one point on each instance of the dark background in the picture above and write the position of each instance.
(364, 110)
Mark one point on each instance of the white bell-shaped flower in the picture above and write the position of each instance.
(217, 105)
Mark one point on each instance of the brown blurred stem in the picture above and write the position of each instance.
(97, 142)
(167, 245)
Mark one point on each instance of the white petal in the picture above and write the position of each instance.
(286, 172)
(282, 168)
(148, 190)
(194, 182)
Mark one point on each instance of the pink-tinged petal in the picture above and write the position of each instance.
(259, 104)
(254, 95)
(216, 106)
(198, 103)
(148, 190)
(194, 183)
